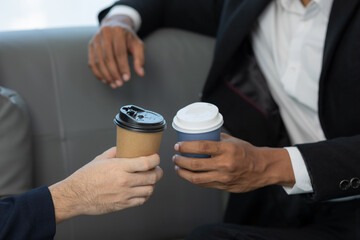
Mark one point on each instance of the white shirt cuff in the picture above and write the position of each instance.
(302, 178)
(128, 11)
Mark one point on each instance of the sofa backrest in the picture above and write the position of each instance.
(71, 116)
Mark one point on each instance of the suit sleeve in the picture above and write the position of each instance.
(28, 216)
(333, 167)
(201, 16)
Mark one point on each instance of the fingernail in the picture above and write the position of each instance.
(173, 158)
(177, 146)
(126, 77)
(113, 85)
(103, 81)
(176, 168)
(142, 71)
(118, 83)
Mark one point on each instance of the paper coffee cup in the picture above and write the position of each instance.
(198, 121)
(139, 132)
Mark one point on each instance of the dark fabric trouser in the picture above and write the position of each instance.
(321, 221)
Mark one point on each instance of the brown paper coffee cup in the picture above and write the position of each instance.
(131, 144)
(139, 132)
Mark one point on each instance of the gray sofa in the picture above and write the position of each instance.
(69, 116)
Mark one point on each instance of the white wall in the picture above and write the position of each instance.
(37, 14)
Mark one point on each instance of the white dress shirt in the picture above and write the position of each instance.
(288, 42)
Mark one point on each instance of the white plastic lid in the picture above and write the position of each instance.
(198, 117)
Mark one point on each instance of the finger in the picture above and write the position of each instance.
(141, 164)
(136, 48)
(109, 57)
(150, 177)
(199, 147)
(121, 56)
(92, 63)
(198, 177)
(195, 164)
(133, 202)
(100, 61)
(142, 191)
(108, 154)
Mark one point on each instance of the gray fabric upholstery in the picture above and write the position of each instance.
(15, 145)
(71, 114)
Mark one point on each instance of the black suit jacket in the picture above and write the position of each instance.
(235, 82)
(28, 216)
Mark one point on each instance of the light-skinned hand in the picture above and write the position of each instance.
(106, 184)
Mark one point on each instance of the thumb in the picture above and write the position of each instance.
(108, 154)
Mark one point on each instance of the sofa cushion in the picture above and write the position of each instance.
(15, 144)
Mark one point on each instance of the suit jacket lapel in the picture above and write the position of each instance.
(341, 13)
(234, 27)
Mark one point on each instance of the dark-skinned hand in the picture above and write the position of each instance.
(235, 165)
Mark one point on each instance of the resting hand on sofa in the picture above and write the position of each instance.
(106, 184)
(235, 165)
(109, 48)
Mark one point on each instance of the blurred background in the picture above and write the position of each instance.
(40, 14)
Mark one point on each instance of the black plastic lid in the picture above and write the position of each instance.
(137, 119)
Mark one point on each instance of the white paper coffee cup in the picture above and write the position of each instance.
(198, 121)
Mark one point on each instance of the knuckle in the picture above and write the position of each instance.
(195, 179)
(204, 147)
(96, 38)
(123, 182)
(231, 165)
(228, 165)
(140, 44)
(97, 61)
(107, 59)
(105, 30)
(195, 165)
(226, 179)
(227, 147)
(146, 163)
(121, 53)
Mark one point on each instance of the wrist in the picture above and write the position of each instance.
(65, 201)
(277, 166)
(119, 19)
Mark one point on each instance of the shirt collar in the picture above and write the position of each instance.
(325, 6)
(295, 6)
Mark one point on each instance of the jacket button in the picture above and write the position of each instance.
(344, 185)
(355, 182)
